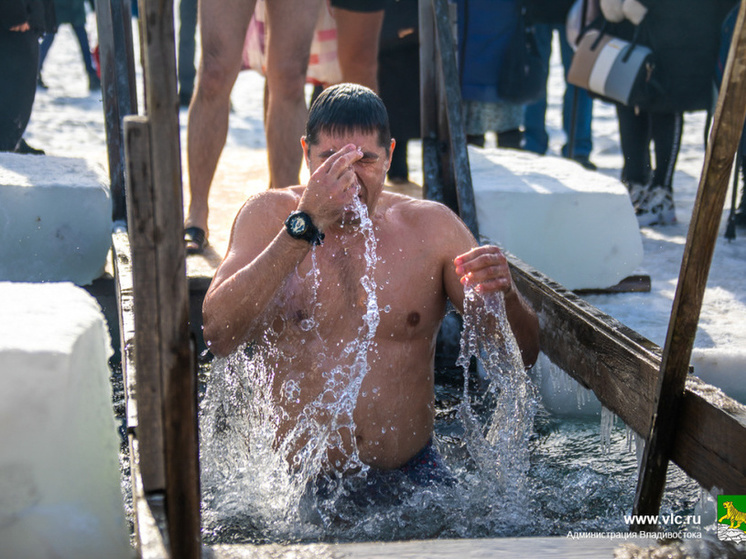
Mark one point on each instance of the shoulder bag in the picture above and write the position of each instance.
(614, 69)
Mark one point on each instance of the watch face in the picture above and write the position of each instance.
(298, 225)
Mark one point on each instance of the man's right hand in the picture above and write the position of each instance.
(332, 187)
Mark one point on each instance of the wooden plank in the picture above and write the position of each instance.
(126, 304)
(456, 173)
(700, 245)
(148, 382)
(710, 441)
(602, 354)
(621, 367)
(432, 184)
(116, 57)
(176, 349)
(636, 283)
(150, 535)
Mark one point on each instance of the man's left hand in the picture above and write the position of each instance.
(485, 268)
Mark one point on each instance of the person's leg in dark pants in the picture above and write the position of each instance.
(187, 45)
(535, 137)
(666, 131)
(19, 52)
(634, 136)
(94, 83)
(46, 44)
(577, 124)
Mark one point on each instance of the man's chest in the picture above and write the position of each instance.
(402, 296)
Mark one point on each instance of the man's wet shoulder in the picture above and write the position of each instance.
(415, 209)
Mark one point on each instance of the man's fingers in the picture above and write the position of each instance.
(475, 260)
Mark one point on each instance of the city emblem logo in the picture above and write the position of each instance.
(732, 518)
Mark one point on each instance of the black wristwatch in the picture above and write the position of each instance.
(300, 226)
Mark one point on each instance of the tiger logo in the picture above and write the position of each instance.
(733, 515)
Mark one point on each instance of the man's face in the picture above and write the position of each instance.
(370, 170)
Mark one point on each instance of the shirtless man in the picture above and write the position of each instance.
(425, 255)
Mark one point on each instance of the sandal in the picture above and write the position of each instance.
(196, 237)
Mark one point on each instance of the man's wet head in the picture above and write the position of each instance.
(345, 108)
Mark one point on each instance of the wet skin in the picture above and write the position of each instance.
(424, 255)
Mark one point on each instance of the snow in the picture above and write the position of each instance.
(60, 490)
(67, 121)
(542, 208)
(56, 219)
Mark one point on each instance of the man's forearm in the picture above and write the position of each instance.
(233, 309)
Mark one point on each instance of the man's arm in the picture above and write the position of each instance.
(486, 269)
(261, 253)
(260, 257)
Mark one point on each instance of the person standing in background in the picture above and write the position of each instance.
(684, 36)
(72, 12)
(485, 28)
(22, 22)
(550, 16)
(399, 80)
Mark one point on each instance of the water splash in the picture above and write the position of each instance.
(497, 441)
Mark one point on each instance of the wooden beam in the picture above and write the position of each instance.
(146, 385)
(700, 245)
(445, 158)
(176, 349)
(621, 367)
(118, 88)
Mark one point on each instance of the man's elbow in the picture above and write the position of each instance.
(217, 336)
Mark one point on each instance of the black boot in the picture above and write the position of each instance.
(24, 148)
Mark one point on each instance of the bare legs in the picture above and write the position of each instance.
(223, 26)
(357, 45)
(292, 24)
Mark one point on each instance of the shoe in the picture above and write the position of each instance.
(636, 192)
(25, 149)
(585, 162)
(195, 239)
(656, 207)
(94, 82)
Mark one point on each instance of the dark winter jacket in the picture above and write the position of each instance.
(685, 37)
(548, 11)
(484, 31)
(70, 11)
(38, 13)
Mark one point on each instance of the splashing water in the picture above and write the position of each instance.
(499, 444)
(262, 484)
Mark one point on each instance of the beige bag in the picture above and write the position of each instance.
(612, 68)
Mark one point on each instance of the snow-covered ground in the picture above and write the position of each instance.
(68, 121)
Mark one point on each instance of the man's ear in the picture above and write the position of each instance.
(391, 153)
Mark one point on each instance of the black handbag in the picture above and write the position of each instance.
(523, 73)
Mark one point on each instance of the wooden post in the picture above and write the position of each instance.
(141, 229)
(447, 175)
(116, 57)
(700, 245)
(174, 347)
